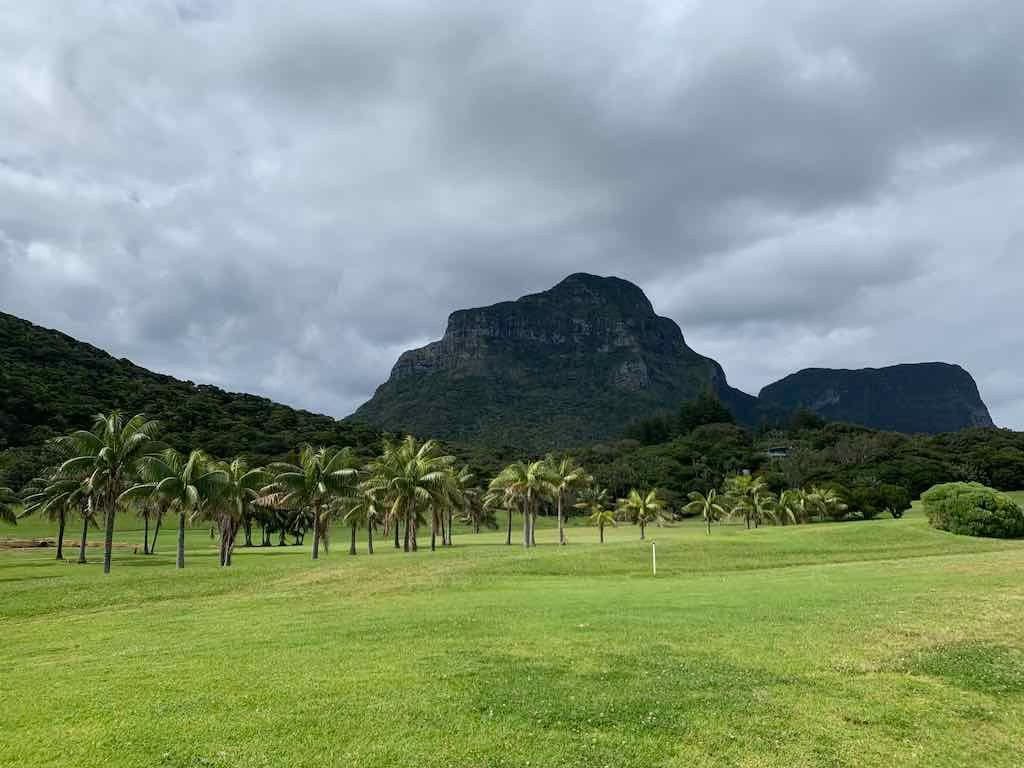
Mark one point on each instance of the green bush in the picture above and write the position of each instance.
(869, 501)
(973, 509)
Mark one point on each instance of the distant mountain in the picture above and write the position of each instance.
(581, 361)
(51, 384)
(553, 369)
(922, 397)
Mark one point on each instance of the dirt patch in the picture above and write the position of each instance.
(44, 543)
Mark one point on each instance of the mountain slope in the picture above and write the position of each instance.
(921, 397)
(51, 383)
(574, 363)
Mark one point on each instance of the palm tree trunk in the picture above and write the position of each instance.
(533, 529)
(108, 536)
(642, 532)
(85, 535)
(526, 526)
(248, 531)
(508, 536)
(407, 539)
(180, 563)
(451, 518)
(709, 525)
(61, 521)
(316, 534)
(352, 546)
(395, 523)
(561, 521)
(145, 532)
(600, 530)
(433, 532)
(369, 538)
(156, 532)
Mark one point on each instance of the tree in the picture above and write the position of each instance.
(411, 479)
(705, 505)
(525, 485)
(109, 455)
(827, 502)
(55, 499)
(186, 483)
(705, 409)
(235, 501)
(8, 503)
(641, 508)
(362, 510)
(462, 496)
(480, 511)
(594, 500)
(748, 497)
(566, 477)
(322, 476)
(791, 507)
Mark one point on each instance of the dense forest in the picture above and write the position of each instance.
(51, 384)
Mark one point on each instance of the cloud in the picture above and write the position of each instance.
(280, 200)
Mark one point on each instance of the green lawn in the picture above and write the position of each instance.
(856, 644)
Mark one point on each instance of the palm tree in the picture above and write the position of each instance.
(187, 484)
(705, 505)
(791, 507)
(595, 501)
(525, 485)
(463, 495)
(109, 456)
(642, 508)
(8, 502)
(827, 502)
(56, 500)
(748, 496)
(480, 510)
(361, 510)
(566, 478)
(235, 501)
(321, 477)
(410, 479)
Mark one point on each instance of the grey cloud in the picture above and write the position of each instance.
(282, 199)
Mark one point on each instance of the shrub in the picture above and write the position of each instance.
(973, 509)
(869, 501)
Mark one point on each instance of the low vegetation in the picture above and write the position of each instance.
(971, 509)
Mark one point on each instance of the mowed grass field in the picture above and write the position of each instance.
(881, 643)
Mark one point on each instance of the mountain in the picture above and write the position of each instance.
(51, 384)
(922, 397)
(553, 369)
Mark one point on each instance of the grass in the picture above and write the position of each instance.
(858, 644)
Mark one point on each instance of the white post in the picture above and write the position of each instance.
(654, 560)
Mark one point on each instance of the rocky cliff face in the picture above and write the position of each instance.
(575, 363)
(923, 397)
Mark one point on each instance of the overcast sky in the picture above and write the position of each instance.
(281, 197)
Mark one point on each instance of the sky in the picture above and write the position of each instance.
(280, 198)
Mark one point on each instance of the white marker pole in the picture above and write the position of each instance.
(654, 560)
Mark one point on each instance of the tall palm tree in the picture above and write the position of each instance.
(411, 479)
(481, 511)
(8, 503)
(642, 508)
(525, 485)
(109, 456)
(186, 483)
(235, 501)
(567, 477)
(705, 505)
(316, 482)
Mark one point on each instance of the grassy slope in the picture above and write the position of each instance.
(880, 643)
